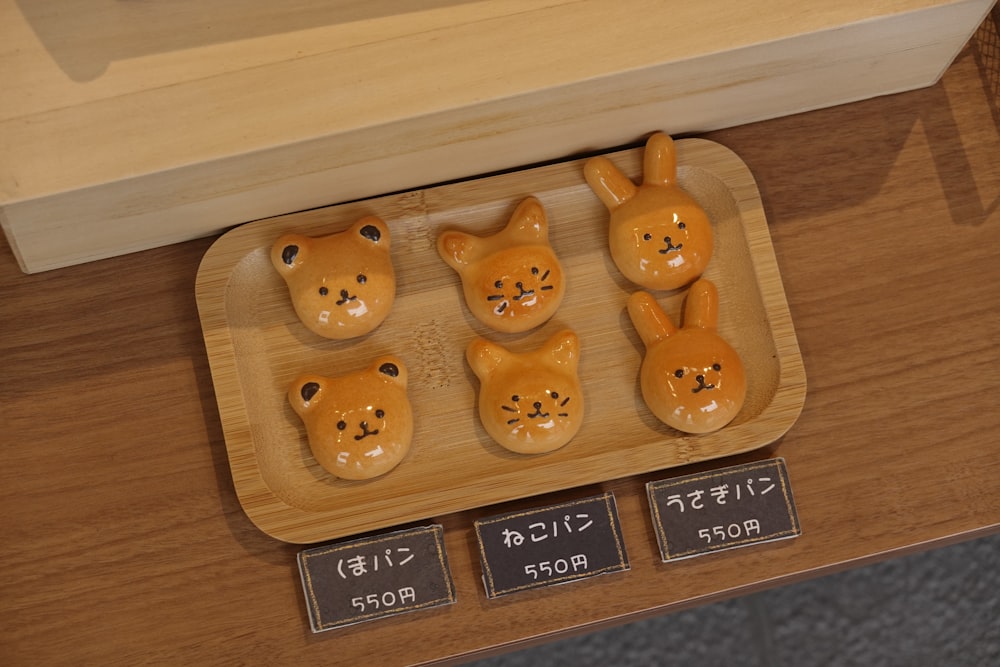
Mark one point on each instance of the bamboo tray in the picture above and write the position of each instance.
(256, 346)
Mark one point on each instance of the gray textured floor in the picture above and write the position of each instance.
(940, 608)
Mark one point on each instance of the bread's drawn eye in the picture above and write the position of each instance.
(554, 394)
(679, 373)
(498, 284)
(323, 291)
(515, 398)
(380, 413)
(681, 225)
(647, 236)
(341, 425)
(716, 367)
(362, 279)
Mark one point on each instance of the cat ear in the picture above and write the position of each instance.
(649, 320)
(456, 248)
(485, 357)
(289, 252)
(609, 184)
(564, 348)
(702, 306)
(528, 224)
(659, 161)
(391, 369)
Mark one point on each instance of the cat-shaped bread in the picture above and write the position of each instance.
(659, 237)
(341, 285)
(529, 402)
(512, 280)
(691, 378)
(360, 424)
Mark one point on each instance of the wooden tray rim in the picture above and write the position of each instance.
(263, 507)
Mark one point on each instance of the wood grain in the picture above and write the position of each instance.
(146, 123)
(257, 346)
(124, 541)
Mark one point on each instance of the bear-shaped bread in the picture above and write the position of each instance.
(658, 236)
(529, 402)
(360, 424)
(691, 378)
(341, 285)
(512, 280)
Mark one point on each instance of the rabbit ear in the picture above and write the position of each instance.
(702, 306)
(564, 349)
(649, 320)
(528, 224)
(659, 166)
(484, 357)
(609, 184)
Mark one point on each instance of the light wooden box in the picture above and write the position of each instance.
(127, 125)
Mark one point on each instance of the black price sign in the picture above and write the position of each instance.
(723, 509)
(375, 577)
(551, 545)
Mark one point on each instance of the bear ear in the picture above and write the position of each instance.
(659, 161)
(309, 390)
(391, 369)
(528, 224)
(702, 306)
(456, 248)
(485, 357)
(372, 229)
(289, 252)
(305, 392)
(564, 347)
(649, 320)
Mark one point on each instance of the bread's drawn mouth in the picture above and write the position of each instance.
(523, 292)
(670, 247)
(365, 432)
(702, 386)
(537, 405)
(346, 297)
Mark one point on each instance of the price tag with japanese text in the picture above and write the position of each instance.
(723, 509)
(373, 577)
(550, 545)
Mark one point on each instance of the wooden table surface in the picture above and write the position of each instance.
(123, 540)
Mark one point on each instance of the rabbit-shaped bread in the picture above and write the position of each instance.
(529, 402)
(512, 280)
(341, 285)
(691, 378)
(360, 424)
(659, 237)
